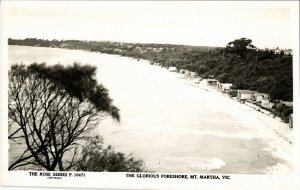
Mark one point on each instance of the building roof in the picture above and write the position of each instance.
(261, 94)
(226, 84)
(172, 68)
(246, 91)
(212, 80)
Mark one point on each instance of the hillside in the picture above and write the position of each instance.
(242, 65)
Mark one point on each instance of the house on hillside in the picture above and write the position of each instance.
(172, 69)
(245, 94)
(288, 52)
(138, 49)
(53, 46)
(277, 51)
(149, 49)
(65, 45)
(212, 82)
(117, 50)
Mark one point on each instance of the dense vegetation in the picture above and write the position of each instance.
(239, 62)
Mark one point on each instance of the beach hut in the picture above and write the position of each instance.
(187, 73)
(182, 71)
(272, 105)
(212, 82)
(225, 86)
(259, 96)
(193, 74)
(265, 103)
(219, 86)
(231, 92)
(226, 91)
(172, 69)
(291, 121)
(245, 94)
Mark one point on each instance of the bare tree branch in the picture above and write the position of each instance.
(50, 117)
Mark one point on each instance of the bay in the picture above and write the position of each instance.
(170, 125)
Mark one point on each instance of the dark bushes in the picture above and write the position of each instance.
(96, 158)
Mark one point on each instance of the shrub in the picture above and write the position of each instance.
(96, 158)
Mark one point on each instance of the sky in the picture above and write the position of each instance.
(268, 24)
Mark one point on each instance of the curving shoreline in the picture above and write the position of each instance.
(274, 123)
(176, 127)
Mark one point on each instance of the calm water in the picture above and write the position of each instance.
(172, 126)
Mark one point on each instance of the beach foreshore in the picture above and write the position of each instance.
(274, 123)
(271, 123)
(176, 125)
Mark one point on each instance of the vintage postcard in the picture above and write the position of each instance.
(150, 94)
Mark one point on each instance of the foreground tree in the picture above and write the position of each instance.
(51, 109)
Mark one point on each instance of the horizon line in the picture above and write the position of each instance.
(157, 43)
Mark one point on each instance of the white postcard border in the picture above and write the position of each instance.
(119, 180)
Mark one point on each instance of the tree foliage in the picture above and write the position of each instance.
(240, 47)
(79, 82)
(96, 158)
(52, 108)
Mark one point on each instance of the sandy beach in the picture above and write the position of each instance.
(231, 121)
(274, 123)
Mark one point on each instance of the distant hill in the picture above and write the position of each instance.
(245, 68)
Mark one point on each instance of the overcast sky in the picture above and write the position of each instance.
(268, 24)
